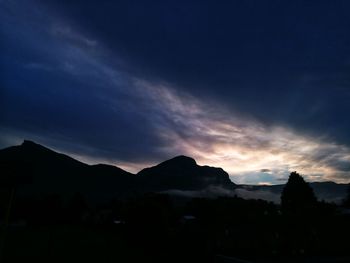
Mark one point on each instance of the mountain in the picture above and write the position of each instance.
(37, 170)
(185, 174)
(50, 172)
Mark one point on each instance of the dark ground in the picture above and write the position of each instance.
(153, 228)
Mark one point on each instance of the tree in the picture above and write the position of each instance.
(297, 196)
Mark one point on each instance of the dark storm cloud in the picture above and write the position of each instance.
(244, 85)
(281, 62)
(333, 158)
(55, 84)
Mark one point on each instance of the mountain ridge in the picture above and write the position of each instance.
(55, 172)
(182, 172)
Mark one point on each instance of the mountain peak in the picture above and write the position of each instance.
(182, 172)
(181, 160)
(29, 143)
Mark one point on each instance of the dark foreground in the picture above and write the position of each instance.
(156, 228)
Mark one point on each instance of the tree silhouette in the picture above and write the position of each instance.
(297, 195)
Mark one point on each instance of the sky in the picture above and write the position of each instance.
(259, 88)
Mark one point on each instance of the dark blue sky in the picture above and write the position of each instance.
(257, 87)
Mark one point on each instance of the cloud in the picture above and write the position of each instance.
(38, 66)
(76, 91)
(258, 194)
(271, 195)
(68, 34)
(237, 52)
(241, 146)
(209, 192)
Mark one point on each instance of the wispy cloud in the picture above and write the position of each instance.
(242, 146)
(90, 106)
(67, 33)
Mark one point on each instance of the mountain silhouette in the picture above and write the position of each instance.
(183, 173)
(56, 173)
(37, 170)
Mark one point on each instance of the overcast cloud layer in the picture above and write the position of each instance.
(259, 89)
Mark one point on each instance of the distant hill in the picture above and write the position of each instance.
(52, 172)
(183, 173)
(327, 191)
(39, 171)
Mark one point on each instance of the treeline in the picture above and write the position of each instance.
(162, 228)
